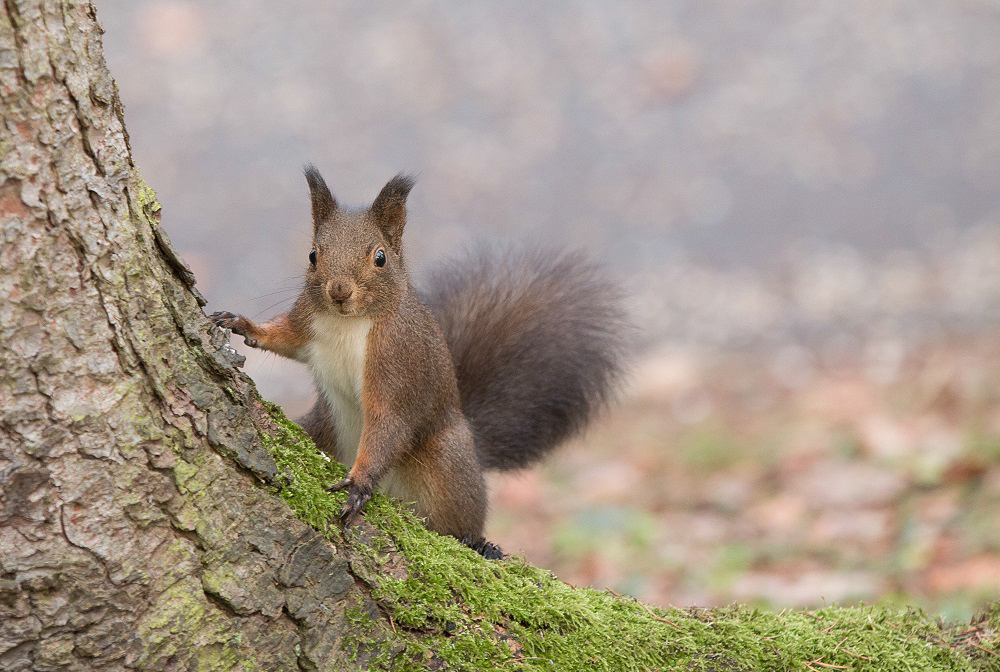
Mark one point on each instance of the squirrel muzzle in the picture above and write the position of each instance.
(341, 291)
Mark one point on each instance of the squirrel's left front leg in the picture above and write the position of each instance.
(279, 335)
(383, 441)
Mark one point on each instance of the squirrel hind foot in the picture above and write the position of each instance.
(488, 550)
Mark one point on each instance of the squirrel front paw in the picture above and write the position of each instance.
(357, 498)
(237, 324)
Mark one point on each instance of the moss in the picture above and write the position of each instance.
(303, 472)
(183, 609)
(147, 200)
(455, 610)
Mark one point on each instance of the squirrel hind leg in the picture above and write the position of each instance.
(487, 549)
(318, 424)
(444, 480)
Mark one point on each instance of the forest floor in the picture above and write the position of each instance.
(794, 478)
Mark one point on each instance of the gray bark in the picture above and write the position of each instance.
(126, 539)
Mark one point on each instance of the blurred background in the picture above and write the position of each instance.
(800, 197)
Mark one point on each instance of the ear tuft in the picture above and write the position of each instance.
(389, 208)
(323, 202)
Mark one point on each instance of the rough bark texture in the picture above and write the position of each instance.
(120, 524)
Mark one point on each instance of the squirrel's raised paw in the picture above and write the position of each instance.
(228, 320)
(235, 323)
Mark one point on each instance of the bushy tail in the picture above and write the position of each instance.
(538, 341)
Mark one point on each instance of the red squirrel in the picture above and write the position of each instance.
(498, 361)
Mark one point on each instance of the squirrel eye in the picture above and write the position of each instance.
(312, 256)
(380, 257)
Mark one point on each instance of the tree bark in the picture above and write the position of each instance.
(126, 539)
(134, 531)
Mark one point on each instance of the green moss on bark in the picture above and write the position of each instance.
(180, 613)
(147, 201)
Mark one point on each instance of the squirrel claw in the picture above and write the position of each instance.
(488, 550)
(237, 324)
(222, 318)
(340, 485)
(357, 498)
(231, 321)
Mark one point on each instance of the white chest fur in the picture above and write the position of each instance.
(336, 357)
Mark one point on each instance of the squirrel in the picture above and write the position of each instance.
(502, 358)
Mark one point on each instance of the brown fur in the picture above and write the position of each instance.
(412, 418)
(529, 351)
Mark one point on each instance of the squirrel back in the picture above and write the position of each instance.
(537, 340)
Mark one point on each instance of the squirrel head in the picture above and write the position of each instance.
(356, 263)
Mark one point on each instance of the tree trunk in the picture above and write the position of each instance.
(126, 540)
(134, 529)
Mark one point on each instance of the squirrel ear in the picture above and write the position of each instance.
(389, 208)
(323, 202)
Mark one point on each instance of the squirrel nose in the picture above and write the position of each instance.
(339, 290)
